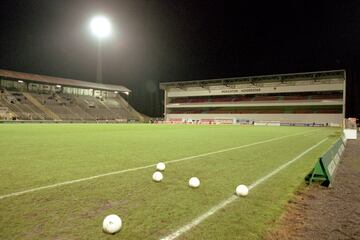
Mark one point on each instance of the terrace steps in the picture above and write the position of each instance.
(131, 110)
(48, 112)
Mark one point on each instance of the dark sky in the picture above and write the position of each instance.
(160, 41)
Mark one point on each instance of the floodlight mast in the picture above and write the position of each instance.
(101, 28)
(99, 63)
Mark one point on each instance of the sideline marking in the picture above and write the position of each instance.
(231, 199)
(144, 167)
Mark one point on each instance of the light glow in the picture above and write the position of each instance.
(100, 27)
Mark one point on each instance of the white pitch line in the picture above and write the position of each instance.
(235, 148)
(143, 167)
(231, 199)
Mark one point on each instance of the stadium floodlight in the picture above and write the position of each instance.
(58, 86)
(20, 81)
(100, 27)
(127, 93)
(116, 92)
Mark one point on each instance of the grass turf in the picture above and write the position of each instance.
(38, 155)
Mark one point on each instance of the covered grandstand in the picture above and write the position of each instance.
(33, 97)
(288, 99)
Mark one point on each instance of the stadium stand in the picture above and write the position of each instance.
(279, 97)
(314, 97)
(25, 96)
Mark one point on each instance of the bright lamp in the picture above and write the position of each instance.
(100, 26)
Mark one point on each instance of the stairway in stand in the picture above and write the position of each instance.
(48, 112)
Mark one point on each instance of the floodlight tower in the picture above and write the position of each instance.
(100, 26)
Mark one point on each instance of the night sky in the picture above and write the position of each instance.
(163, 41)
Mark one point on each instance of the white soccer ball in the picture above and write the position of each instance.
(194, 182)
(242, 190)
(112, 224)
(160, 166)
(157, 176)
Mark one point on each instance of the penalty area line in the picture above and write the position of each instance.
(143, 167)
(231, 199)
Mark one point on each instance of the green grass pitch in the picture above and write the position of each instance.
(35, 155)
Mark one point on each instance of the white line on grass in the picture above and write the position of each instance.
(144, 167)
(235, 148)
(231, 199)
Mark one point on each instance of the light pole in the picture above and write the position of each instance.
(100, 26)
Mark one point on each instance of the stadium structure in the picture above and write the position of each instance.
(33, 97)
(311, 98)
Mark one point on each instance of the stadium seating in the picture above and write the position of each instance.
(243, 98)
(303, 111)
(222, 99)
(179, 100)
(266, 98)
(295, 97)
(21, 107)
(247, 98)
(196, 100)
(328, 110)
(264, 110)
(58, 106)
(233, 108)
(323, 96)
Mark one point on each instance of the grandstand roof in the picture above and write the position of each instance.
(60, 81)
(340, 74)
